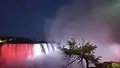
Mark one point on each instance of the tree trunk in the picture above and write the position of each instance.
(87, 63)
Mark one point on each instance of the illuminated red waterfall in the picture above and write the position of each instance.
(19, 55)
(16, 52)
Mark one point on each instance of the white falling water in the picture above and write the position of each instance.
(37, 50)
(45, 48)
(50, 47)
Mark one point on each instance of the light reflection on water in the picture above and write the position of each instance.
(21, 55)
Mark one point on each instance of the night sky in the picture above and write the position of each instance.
(26, 18)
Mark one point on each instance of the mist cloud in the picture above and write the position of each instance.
(94, 20)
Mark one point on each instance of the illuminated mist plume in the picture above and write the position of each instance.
(93, 20)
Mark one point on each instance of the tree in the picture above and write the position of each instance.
(80, 52)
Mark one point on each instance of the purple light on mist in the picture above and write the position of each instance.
(98, 24)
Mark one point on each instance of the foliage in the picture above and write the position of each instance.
(85, 51)
(116, 65)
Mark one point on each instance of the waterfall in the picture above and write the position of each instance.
(18, 52)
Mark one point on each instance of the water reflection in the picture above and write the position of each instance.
(18, 55)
